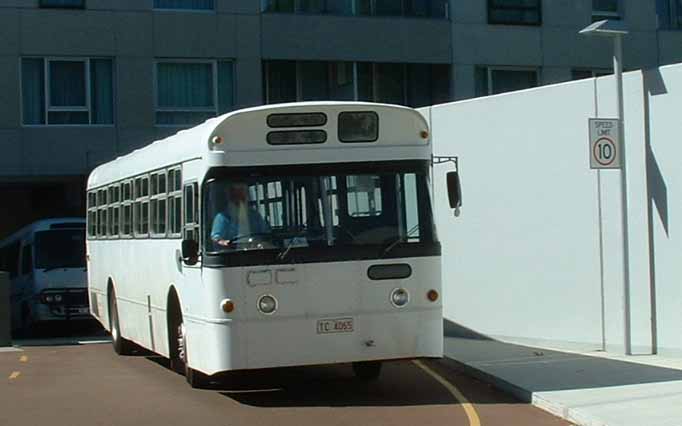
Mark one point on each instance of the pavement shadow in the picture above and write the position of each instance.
(523, 370)
(63, 333)
(401, 383)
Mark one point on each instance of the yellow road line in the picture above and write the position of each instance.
(14, 375)
(469, 409)
(23, 358)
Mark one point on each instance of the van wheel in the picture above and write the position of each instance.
(179, 359)
(25, 330)
(367, 370)
(121, 345)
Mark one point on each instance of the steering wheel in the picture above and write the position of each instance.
(253, 234)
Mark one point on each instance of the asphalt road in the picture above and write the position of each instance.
(87, 384)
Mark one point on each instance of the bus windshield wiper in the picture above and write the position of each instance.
(399, 240)
(282, 254)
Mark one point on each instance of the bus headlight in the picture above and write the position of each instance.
(57, 298)
(400, 297)
(267, 304)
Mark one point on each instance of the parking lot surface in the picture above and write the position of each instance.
(87, 384)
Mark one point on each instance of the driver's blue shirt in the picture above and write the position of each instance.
(225, 228)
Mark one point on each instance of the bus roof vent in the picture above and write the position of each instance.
(297, 119)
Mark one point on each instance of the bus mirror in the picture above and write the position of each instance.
(190, 252)
(454, 190)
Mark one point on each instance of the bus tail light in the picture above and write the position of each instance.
(432, 295)
(227, 306)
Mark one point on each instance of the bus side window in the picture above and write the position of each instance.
(92, 214)
(174, 202)
(158, 204)
(26, 260)
(191, 209)
(127, 215)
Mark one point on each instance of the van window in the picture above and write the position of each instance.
(12, 259)
(27, 260)
(60, 249)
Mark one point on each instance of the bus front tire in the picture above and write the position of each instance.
(122, 346)
(367, 370)
(179, 358)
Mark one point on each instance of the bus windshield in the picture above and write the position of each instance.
(60, 249)
(309, 209)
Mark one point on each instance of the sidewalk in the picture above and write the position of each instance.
(588, 389)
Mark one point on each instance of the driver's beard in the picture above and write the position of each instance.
(241, 214)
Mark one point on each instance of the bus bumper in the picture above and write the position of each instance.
(284, 342)
(42, 312)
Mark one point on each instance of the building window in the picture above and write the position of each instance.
(579, 74)
(64, 4)
(67, 91)
(495, 80)
(189, 93)
(514, 12)
(415, 85)
(670, 13)
(605, 9)
(412, 8)
(184, 4)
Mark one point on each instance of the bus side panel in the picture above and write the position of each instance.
(216, 339)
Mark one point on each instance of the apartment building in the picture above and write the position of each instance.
(86, 80)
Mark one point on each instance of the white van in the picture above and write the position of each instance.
(46, 263)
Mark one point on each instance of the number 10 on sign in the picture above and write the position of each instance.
(605, 148)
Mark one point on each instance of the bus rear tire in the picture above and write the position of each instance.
(367, 370)
(122, 346)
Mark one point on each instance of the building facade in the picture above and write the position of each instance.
(86, 80)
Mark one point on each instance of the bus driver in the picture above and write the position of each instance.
(238, 219)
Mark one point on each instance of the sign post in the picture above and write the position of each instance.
(605, 144)
(5, 338)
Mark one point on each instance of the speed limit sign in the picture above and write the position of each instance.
(605, 148)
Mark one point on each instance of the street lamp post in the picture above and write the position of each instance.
(616, 30)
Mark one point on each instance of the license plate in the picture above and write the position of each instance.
(335, 325)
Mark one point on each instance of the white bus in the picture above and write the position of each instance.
(46, 264)
(285, 235)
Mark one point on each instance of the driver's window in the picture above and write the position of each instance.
(267, 199)
(363, 195)
(191, 210)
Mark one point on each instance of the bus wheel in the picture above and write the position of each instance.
(122, 346)
(367, 370)
(196, 379)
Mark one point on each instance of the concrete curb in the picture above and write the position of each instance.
(572, 415)
(503, 385)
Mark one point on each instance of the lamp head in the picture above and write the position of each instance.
(605, 28)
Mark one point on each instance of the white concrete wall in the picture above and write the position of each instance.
(664, 87)
(523, 261)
